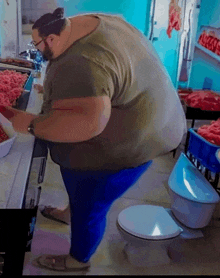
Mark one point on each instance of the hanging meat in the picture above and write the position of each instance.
(174, 17)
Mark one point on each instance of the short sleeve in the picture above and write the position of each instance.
(80, 77)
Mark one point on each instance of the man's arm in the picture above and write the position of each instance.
(70, 120)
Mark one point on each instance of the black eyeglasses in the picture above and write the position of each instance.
(32, 43)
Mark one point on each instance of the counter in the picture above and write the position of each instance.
(14, 168)
(16, 222)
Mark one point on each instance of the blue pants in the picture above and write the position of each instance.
(91, 194)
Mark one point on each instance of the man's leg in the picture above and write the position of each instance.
(91, 195)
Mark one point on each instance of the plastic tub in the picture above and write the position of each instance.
(205, 152)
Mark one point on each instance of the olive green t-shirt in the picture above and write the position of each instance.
(147, 119)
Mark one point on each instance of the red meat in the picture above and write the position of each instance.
(211, 132)
(174, 18)
(11, 86)
(3, 135)
(4, 100)
(205, 100)
(4, 88)
(14, 93)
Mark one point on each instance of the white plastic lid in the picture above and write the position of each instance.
(148, 222)
(186, 181)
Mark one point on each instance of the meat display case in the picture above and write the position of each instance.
(196, 113)
(17, 225)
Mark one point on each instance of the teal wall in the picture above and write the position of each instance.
(147, 14)
(209, 13)
(167, 51)
(134, 11)
(203, 65)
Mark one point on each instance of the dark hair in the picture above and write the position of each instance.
(51, 23)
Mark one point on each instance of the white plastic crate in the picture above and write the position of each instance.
(8, 128)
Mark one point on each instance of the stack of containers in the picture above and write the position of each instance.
(205, 152)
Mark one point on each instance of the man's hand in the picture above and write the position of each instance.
(19, 119)
(39, 88)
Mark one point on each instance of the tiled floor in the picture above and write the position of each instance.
(197, 256)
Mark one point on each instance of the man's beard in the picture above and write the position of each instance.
(47, 54)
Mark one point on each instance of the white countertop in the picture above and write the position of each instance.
(14, 167)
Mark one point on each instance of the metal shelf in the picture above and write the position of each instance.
(210, 53)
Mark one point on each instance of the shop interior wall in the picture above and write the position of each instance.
(135, 12)
(203, 64)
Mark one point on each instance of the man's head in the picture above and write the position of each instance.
(47, 29)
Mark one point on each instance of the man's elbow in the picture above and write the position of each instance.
(97, 130)
(101, 124)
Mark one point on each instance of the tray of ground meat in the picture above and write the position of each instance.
(15, 86)
(201, 104)
(18, 62)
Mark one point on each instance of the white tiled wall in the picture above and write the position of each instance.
(8, 28)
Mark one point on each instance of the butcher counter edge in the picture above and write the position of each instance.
(24, 145)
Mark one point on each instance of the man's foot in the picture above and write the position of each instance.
(62, 216)
(64, 263)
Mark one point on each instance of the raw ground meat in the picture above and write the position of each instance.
(3, 135)
(210, 41)
(205, 100)
(211, 132)
(11, 86)
(17, 62)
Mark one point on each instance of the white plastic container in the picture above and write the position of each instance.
(217, 154)
(193, 199)
(8, 128)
